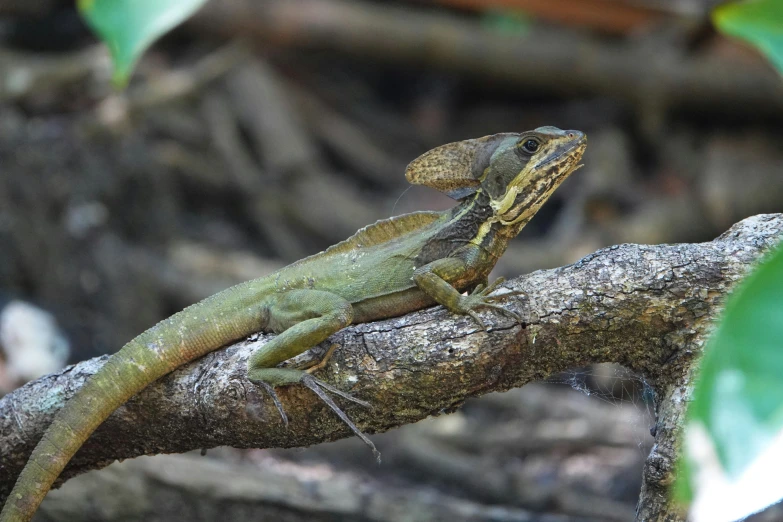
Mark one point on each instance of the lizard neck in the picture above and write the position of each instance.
(486, 231)
(471, 222)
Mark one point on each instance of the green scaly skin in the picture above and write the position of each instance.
(385, 270)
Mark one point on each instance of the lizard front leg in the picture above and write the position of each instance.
(303, 319)
(435, 278)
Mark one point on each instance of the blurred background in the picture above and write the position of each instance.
(260, 132)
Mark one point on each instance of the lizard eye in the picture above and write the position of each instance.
(530, 146)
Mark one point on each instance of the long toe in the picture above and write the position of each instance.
(318, 388)
(272, 393)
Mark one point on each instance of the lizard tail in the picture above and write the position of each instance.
(179, 339)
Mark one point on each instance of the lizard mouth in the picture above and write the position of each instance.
(564, 151)
(521, 201)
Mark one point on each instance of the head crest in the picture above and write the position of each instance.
(454, 168)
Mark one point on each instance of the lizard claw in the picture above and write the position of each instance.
(478, 319)
(272, 393)
(316, 386)
(504, 295)
(505, 311)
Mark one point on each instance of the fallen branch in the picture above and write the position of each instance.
(173, 487)
(651, 77)
(646, 307)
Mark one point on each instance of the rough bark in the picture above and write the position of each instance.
(646, 307)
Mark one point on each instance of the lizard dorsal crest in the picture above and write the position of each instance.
(385, 230)
(380, 232)
(455, 168)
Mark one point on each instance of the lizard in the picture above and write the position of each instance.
(387, 269)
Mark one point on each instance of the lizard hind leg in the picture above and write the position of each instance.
(304, 319)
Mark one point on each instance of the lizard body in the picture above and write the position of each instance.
(387, 269)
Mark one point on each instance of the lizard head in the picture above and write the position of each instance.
(518, 171)
(523, 171)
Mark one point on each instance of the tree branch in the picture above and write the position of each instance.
(646, 307)
(655, 77)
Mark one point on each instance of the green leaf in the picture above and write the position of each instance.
(129, 27)
(759, 22)
(734, 426)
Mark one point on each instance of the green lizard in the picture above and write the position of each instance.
(387, 269)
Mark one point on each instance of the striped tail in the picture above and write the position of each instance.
(179, 339)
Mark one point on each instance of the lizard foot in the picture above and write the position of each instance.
(480, 298)
(272, 393)
(318, 387)
(268, 378)
(319, 365)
